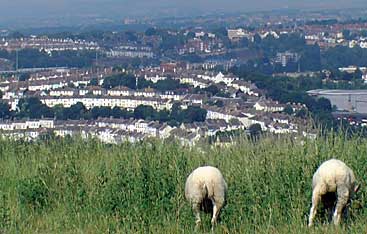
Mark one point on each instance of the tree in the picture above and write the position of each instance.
(167, 84)
(123, 79)
(175, 112)
(311, 58)
(213, 89)
(16, 35)
(77, 111)
(219, 103)
(244, 42)
(136, 62)
(192, 58)
(193, 114)
(117, 112)
(59, 112)
(103, 111)
(171, 41)
(131, 36)
(324, 104)
(93, 82)
(150, 32)
(221, 32)
(29, 58)
(302, 113)
(346, 34)
(190, 35)
(24, 76)
(342, 56)
(33, 108)
(5, 112)
(255, 130)
(173, 123)
(257, 39)
(144, 112)
(162, 116)
(288, 110)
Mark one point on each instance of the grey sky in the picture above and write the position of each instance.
(19, 9)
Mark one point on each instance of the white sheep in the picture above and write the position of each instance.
(204, 186)
(332, 177)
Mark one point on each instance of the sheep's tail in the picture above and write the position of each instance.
(205, 190)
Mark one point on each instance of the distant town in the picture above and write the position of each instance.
(213, 102)
(191, 84)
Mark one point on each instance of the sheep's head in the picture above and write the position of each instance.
(355, 201)
(354, 195)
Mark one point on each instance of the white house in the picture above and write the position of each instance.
(120, 91)
(63, 92)
(269, 106)
(89, 102)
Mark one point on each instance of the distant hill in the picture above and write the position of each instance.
(6, 65)
(74, 12)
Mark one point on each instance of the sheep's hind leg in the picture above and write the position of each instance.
(215, 214)
(343, 196)
(315, 202)
(196, 208)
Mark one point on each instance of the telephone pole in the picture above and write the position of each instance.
(97, 66)
(16, 60)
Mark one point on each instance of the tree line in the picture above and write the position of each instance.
(31, 58)
(133, 82)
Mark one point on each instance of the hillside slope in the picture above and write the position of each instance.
(87, 187)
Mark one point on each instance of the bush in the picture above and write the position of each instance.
(4, 213)
(33, 193)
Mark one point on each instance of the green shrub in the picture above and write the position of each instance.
(33, 193)
(4, 213)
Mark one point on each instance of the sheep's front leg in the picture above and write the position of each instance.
(343, 196)
(316, 197)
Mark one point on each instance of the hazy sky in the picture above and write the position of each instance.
(18, 9)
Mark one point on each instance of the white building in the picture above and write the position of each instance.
(120, 91)
(237, 34)
(89, 102)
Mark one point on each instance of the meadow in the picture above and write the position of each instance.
(77, 186)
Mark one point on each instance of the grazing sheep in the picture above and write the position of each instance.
(205, 187)
(333, 181)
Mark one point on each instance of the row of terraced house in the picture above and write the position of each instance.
(243, 106)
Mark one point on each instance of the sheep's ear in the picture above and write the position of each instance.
(356, 188)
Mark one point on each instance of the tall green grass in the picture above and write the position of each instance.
(86, 187)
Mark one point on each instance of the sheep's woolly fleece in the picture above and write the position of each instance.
(206, 183)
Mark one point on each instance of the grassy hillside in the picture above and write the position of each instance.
(87, 187)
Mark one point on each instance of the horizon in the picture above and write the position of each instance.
(68, 12)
